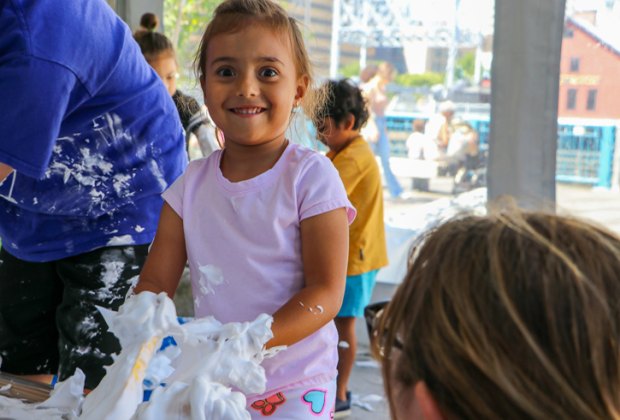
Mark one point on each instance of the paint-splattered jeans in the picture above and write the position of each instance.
(48, 320)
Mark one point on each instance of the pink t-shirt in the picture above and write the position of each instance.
(244, 248)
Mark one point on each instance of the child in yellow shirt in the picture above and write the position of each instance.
(345, 113)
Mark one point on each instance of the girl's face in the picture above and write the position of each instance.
(165, 65)
(251, 85)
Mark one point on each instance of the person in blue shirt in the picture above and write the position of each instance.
(89, 138)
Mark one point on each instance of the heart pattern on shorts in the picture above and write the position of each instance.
(315, 398)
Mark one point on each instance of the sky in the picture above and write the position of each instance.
(585, 4)
(476, 15)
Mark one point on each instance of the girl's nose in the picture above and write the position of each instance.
(248, 86)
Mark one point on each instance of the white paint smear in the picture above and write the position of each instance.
(318, 309)
(120, 240)
(210, 277)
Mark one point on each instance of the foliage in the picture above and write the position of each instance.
(350, 70)
(184, 23)
(466, 66)
(423, 79)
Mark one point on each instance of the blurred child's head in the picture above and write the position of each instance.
(386, 71)
(368, 73)
(149, 22)
(256, 20)
(159, 53)
(418, 125)
(513, 315)
(447, 109)
(463, 126)
(344, 113)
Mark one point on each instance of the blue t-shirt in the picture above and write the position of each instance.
(89, 127)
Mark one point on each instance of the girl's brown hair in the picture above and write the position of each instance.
(149, 22)
(513, 315)
(233, 15)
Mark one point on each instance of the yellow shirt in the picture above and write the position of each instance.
(360, 175)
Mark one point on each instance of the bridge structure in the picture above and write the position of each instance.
(396, 24)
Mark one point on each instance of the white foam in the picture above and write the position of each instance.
(139, 324)
(210, 276)
(63, 404)
(206, 374)
(120, 240)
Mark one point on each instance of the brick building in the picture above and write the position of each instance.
(589, 72)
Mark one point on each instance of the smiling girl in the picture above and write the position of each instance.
(263, 222)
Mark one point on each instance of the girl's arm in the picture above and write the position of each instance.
(324, 251)
(167, 256)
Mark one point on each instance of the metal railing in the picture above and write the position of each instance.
(585, 151)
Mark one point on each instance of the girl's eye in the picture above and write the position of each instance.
(225, 72)
(268, 72)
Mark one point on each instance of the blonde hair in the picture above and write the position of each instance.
(233, 15)
(513, 315)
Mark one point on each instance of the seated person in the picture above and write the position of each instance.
(463, 146)
(514, 315)
(441, 126)
(420, 145)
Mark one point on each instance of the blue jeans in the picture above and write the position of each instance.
(382, 149)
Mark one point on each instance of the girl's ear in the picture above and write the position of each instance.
(349, 122)
(202, 86)
(302, 87)
(426, 402)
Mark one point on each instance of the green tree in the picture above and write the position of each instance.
(350, 70)
(422, 79)
(466, 65)
(184, 23)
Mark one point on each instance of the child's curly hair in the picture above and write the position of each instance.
(343, 98)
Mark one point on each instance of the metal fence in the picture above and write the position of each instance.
(585, 151)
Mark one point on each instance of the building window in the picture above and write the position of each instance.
(591, 104)
(574, 64)
(568, 33)
(571, 100)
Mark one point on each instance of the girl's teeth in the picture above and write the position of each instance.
(248, 111)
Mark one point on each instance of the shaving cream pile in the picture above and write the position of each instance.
(219, 364)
